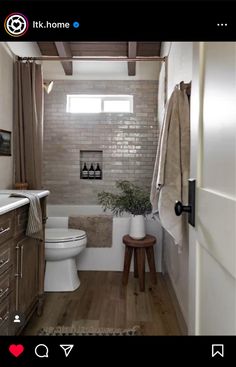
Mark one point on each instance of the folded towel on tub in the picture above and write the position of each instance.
(97, 227)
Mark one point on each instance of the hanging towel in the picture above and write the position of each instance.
(155, 189)
(34, 227)
(170, 178)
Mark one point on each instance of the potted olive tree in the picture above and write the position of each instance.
(133, 200)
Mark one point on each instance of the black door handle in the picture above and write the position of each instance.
(190, 208)
(180, 208)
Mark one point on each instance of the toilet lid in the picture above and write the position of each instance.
(63, 234)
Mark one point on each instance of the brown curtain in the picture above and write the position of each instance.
(28, 123)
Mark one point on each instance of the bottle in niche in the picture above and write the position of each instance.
(85, 172)
(98, 172)
(91, 171)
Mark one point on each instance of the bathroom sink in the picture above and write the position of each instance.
(4, 196)
(6, 200)
(8, 203)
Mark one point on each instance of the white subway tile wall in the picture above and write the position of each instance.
(128, 141)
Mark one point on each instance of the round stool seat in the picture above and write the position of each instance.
(145, 242)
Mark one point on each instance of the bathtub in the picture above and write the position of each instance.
(111, 258)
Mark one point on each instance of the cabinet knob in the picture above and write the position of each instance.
(4, 230)
(3, 262)
(3, 291)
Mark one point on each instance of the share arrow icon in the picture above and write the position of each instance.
(67, 348)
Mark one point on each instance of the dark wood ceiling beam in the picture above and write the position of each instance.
(48, 48)
(132, 53)
(99, 48)
(64, 50)
(102, 48)
(148, 48)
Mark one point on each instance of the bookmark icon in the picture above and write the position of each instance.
(67, 348)
(217, 349)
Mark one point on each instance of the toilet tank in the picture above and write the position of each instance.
(57, 222)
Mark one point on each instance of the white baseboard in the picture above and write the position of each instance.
(182, 324)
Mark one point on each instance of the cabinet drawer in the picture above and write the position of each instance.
(6, 310)
(6, 284)
(6, 255)
(21, 219)
(6, 226)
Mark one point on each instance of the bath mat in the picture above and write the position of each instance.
(88, 331)
(97, 227)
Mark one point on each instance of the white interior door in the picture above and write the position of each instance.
(212, 260)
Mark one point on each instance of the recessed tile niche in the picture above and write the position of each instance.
(91, 164)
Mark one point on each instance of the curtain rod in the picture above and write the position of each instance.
(82, 58)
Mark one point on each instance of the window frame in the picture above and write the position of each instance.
(103, 98)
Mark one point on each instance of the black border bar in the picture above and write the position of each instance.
(123, 21)
(115, 349)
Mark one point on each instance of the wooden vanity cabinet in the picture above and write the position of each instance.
(21, 269)
(7, 280)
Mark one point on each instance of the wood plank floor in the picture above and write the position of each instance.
(102, 301)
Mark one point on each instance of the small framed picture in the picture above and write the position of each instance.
(5, 142)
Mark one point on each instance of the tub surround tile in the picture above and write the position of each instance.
(128, 141)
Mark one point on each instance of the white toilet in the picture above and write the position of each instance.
(62, 246)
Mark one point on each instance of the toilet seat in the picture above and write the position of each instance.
(60, 237)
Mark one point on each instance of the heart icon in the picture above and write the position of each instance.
(16, 350)
(16, 24)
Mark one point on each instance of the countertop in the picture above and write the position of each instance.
(10, 203)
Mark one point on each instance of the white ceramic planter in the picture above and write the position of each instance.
(137, 227)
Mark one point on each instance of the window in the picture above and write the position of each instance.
(81, 103)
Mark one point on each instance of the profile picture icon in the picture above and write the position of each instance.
(16, 24)
(16, 318)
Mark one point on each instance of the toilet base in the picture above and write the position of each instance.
(61, 276)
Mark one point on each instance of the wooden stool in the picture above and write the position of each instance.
(139, 247)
